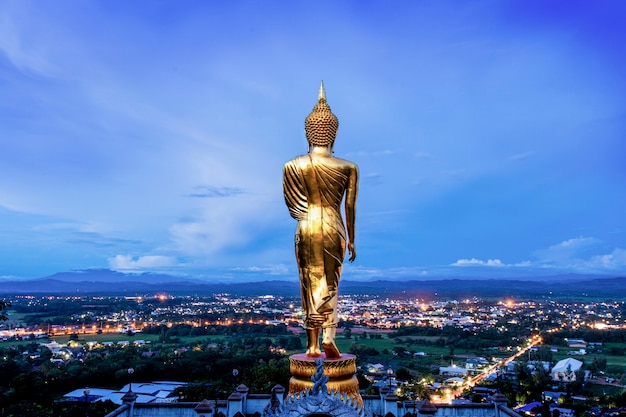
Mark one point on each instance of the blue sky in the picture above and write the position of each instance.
(149, 136)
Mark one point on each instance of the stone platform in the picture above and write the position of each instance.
(341, 373)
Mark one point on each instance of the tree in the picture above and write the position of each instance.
(598, 364)
(364, 383)
(3, 306)
(399, 350)
(347, 333)
(294, 343)
(544, 354)
(403, 374)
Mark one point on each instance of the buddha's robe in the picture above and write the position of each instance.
(314, 189)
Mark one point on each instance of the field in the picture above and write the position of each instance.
(114, 337)
(342, 343)
(389, 344)
(597, 390)
(380, 344)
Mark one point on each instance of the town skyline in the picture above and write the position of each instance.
(150, 138)
(444, 349)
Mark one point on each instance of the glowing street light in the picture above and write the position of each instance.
(130, 371)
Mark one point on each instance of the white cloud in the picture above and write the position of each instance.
(363, 154)
(128, 263)
(611, 261)
(219, 226)
(271, 270)
(578, 255)
(566, 251)
(478, 262)
(9, 277)
(362, 271)
(569, 256)
(574, 243)
(210, 233)
(209, 191)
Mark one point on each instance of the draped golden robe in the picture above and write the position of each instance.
(314, 189)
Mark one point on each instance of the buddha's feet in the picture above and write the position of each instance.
(313, 343)
(331, 351)
(313, 352)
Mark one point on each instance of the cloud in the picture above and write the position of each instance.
(208, 191)
(478, 262)
(356, 272)
(219, 227)
(574, 243)
(613, 260)
(79, 234)
(128, 263)
(363, 272)
(208, 233)
(280, 269)
(576, 255)
(580, 255)
(372, 178)
(566, 251)
(421, 155)
(23, 53)
(383, 152)
(522, 155)
(9, 277)
(97, 239)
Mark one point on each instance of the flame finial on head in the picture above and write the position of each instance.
(321, 124)
(322, 94)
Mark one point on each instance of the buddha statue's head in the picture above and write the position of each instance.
(320, 126)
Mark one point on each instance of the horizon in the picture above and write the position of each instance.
(150, 138)
(96, 283)
(96, 275)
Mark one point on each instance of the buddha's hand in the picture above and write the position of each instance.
(351, 251)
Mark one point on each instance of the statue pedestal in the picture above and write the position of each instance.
(341, 373)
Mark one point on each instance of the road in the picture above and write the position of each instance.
(470, 382)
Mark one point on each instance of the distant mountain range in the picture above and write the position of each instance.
(103, 281)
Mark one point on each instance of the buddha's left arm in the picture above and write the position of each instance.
(350, 207)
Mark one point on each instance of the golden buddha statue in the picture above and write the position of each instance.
(314, 186)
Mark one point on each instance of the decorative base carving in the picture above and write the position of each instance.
(340, 372)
